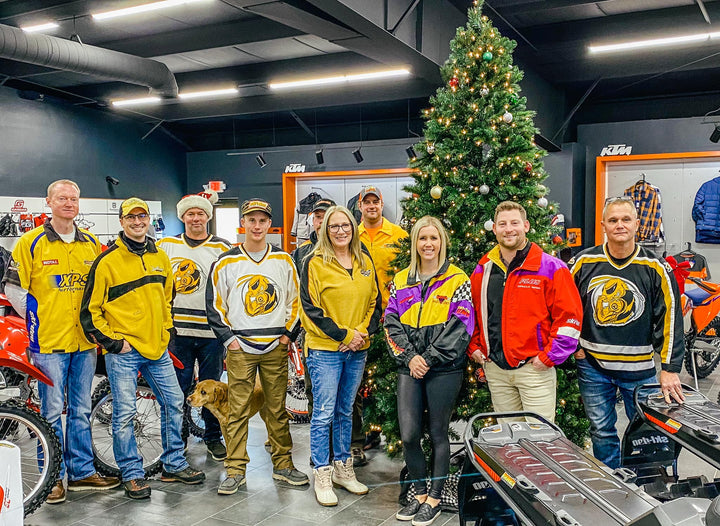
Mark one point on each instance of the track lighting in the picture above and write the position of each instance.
(715, 136)
(261, 160)
(319, 156)
(410, 151)
(358, 156)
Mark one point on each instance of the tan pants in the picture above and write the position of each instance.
(273, 369)
(522, 389)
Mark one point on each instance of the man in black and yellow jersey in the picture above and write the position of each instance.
(631, 310)
(45, 283)
(126, 310)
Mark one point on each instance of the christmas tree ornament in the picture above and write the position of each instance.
(541, 190)
(488, 225)
(484, 92)
(431, 148)
(557, 240)
(508, 117)
(484, 189)
(446, 222)
(454, 82)
(436, 192)
(487, 56)
(528, 167)
(542, 202)
(533, 231)
(514, 99)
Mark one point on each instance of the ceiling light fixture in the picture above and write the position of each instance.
(39, 27)
(208, 93)
(358, 156)
(715, 135)
(136, 102)
(319, 157)
(340, 79)
(657, 42)
(261, 161)
(143, 8)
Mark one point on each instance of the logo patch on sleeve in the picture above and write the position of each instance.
(50, 262)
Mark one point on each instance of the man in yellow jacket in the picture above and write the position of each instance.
(126, 310)
(380, 237)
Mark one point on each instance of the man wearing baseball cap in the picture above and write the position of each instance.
(126, 310)
(253, 306)
(318, 214)
(191, 254)
(379, 236)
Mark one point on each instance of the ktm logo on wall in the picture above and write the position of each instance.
(616, 149)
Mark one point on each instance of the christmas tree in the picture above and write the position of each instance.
(479, 150)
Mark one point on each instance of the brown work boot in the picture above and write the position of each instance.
(94, 481)
(57, 495)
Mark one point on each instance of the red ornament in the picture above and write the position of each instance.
(557, 240)
(528, 167)
(454, 82)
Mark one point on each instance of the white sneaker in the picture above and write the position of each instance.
(324, 486)
(344, 475)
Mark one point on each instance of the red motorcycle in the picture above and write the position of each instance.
(20, 420)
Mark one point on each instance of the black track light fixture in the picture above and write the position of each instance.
(410, 151)
(261, 161)
(715, 136)
(358, 156)
(319, 156)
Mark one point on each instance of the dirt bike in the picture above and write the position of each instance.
(20, 419)
(702, 327)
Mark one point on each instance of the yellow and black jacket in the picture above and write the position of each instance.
(383, 251)
(128, 297)
(336, 301)
(631, 310)
(434, 319)
(54, 274)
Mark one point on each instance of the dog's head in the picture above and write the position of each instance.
(208, 392)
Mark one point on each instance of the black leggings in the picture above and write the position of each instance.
(436, 393)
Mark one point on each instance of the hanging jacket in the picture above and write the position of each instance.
(434, 319)
(706, 212)
(302, 224)
(649, 209)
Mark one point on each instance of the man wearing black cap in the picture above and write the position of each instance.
(318, 213)
(252, 306)
(126, 310)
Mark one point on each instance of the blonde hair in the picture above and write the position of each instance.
(510, 205)
(324, 246)
(415, 235)
(51, 187)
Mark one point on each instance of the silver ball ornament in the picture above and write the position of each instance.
(488, 225)
(484, 92)
(484, 189)
(436, 192)
(542, 202)
(508, 117)
(431, 148)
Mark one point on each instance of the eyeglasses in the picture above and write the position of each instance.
(346, 227)
(133, 217)
(622, 198)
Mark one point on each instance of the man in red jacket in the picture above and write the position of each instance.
(528, 316)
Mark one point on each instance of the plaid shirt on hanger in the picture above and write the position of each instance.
(649, 208)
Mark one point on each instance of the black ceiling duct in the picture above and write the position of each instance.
(66, 55)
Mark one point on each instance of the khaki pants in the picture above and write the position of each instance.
(273, 369)
(522, 389)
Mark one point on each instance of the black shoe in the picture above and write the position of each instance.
(372, 440)
(426, 515)
(137, 489)
(408, 512)
(186, 476)
(358, 456)
(216, 449)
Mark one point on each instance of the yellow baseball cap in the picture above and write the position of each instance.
(256, 205)
(131, 203)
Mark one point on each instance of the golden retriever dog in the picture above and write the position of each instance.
(213, 396)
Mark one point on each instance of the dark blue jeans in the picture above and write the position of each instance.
(599, 395)
(209, 355)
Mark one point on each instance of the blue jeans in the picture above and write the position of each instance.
(72, 372)
(336, 377)
(160, 374)
(599, 395)
(209, 355)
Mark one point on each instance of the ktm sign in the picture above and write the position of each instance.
(616, 149)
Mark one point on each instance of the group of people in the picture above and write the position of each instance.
(521, 313)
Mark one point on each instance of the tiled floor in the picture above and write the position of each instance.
(265, 502)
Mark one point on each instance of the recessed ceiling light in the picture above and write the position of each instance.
(143, 8)
(340, 79)
(39, 27)
(136, 102)
(208, 93)
(656, 42)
